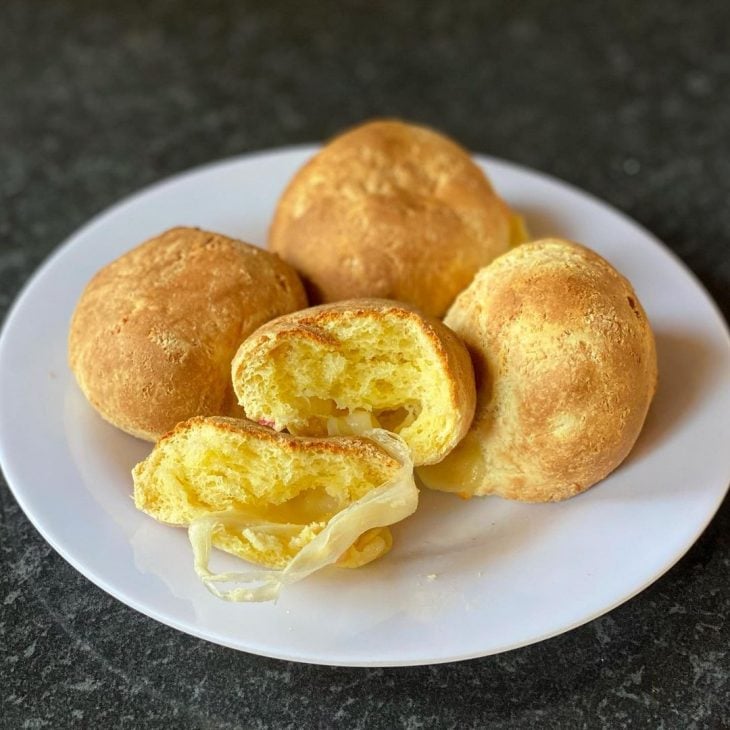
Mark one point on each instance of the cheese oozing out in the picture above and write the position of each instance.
(391, 502)
(291, 506)
(462, 472)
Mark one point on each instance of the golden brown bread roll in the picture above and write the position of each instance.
(390, 210)
(153, 333)
(566, 369)
(342, 365)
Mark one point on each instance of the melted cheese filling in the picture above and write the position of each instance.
(463, 471)
(389, 503)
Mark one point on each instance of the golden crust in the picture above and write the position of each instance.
(566, 368)
(153, 334)
(453, 358)
(390, 210)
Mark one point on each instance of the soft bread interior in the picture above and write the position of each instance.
(385, 366)
(209, 467)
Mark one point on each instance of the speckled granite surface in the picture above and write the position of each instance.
(629, 101)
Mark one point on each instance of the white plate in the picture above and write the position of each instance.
(464, 579)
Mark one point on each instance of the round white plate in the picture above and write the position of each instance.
(464, 579)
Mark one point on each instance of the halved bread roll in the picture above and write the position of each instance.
(566, 369)
(153, 333)
(359, 364)
(391, 210)
(285, 502)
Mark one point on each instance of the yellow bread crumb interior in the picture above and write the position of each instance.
(383, 366)
(297, 484)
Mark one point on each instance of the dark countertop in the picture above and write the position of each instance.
(628, 101)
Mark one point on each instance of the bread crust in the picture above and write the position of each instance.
(566, 369)
(354, 446)
(390, 210)
(308, 323)
(153, 334)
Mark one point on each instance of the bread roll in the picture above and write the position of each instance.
(153, 333)
(227, 467)
(391, 210)
(362, 362)
(566, 369)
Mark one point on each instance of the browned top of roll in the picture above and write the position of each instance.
(390, 210)
(154, 332)
(566, 369)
